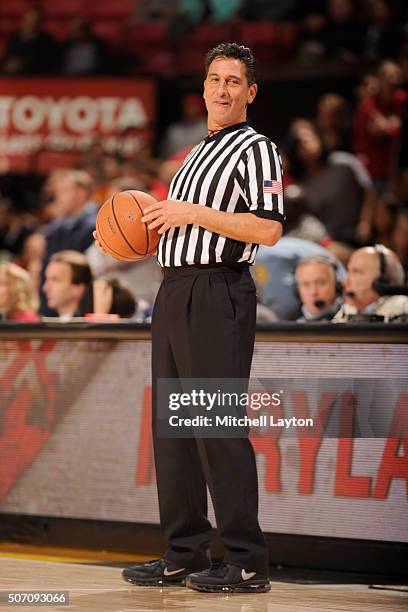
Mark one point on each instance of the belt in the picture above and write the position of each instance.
(195, 269)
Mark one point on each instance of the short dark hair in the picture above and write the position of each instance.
(235, 51)
(78, 262)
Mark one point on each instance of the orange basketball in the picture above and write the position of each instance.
(120, 228)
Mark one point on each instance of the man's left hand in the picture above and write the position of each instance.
(169, 213)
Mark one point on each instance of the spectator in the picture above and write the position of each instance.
(337, 186)
(68, 284)
(274, 275)
(333, 123)
(399, 236)
(75, 221)
(18, 300)
(30, 50)
(311, 45)
(343, 32)
(319, 288)
(111, 296)
(377, 125)
(300, 223)
(190, 130)
(15, 227)
(83, 53)
(363, 301)
(31, 257)
(382, 37)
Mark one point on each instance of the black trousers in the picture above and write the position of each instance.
(203, 326)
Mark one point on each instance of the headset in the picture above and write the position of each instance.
(382, 279)
(327, 261)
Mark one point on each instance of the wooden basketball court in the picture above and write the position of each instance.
(100, 588)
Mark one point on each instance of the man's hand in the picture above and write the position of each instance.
(98, 244)
(169, 213)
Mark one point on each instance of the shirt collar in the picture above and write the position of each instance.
(227, 130)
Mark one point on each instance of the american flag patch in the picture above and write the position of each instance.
(273, 187)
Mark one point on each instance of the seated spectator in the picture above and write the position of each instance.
(377, 125)
(382, 37)
(369, 270)
(30, 50)
(343, 32)
(68, 284)
(76, 215)
(399, 236)
(299, 222)
(337, 186)
(333, 123)
(18, 300)
(31, 258)
(84, 53)
(274, 274)
(110, 296)
(319, 288)
(14, 227)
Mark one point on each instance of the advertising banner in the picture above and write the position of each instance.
(75, 435)
(49, 122)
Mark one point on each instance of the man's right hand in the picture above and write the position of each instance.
(98, 244)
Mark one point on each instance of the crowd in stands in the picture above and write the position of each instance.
(344, 252)
(170, 37)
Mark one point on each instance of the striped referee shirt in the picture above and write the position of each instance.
(236, 170)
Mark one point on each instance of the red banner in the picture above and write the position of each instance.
(47, 123)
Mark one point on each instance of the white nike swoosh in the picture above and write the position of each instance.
(247, 575)
(168, 573)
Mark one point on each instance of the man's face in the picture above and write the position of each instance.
(62, 295)
(316, 282)
(363, 268)
(227, 93)
(69, 197)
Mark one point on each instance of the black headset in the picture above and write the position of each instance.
(322, 259)
(382, 279)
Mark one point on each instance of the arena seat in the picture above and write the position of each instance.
(109, 9)
(261, 36)
(110, 31)
(14, 8)
(63, 8)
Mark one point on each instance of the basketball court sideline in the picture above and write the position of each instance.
(100, 587)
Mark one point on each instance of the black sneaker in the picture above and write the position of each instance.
(226, 578)
(159, 572)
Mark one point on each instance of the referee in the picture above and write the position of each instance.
(225, 200)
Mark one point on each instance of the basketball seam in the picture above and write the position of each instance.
(141, 214)
(120, 229)
(109, 248)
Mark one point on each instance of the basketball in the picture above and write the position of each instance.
(120, 228)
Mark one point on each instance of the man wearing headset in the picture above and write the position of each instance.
(371, 272)
(319, 288)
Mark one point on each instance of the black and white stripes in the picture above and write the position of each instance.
(227, 172)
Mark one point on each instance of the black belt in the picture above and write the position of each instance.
(193, 269)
